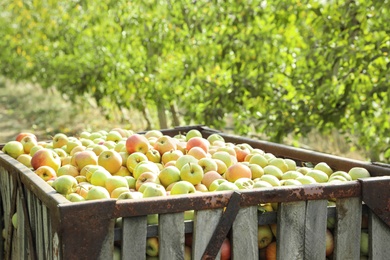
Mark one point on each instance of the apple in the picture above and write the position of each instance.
(198, 142)
(25, 159)
(137, 143)
(46, 157)
(215, 137)
(99, 177)
(134, 159)
(292, 165)
(95, 135)
(169, 175)
(114, 136)
(318, 175)
(77, 149)
(182, 187)
(237, 171)
(146, 177)
(256, 170)
(68, 169)
(123, 132)
(209, 177)
(59, 140)
(13, 149)
(71, 144)
(80, 178)
(123, 171)
(187, 253)
(155, 190)
(20, 136)
(74, 197)
(113, 182)
(215, 184)
(226, 185)
(242, 151)
(164, 144)
(153, 155)
(323, 166)
(329, 242)
(86, 142)
(28, 142)
(131, 181)
(221, 166)
(193, 133)
(152, 219)
(88, 170)
(46, 172)
(120, 146)
(343, 174)
(226, 249)
(83, 158)
(306, 180)
(290, 182)
(99, 148)
(259, 159)
(61, 152)
(208, 164)
(153, 133)
(191, 172)
(272, 179)
(273, 170)
(262, 184)
(304, 170)
(97, 193)
(110, 145)
(197, 152)
(244, 183)
(152, 246)
(291, 174)
(172, 155)
(145, 166)
(201, 187)
(114, 194)
(110, 160)
(34, 149)
(185, 159)
(270, 251)
(65, 184)
(264, 236)
(280, 163)
(358, 172)
(130, 195)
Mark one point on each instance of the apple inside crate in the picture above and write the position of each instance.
(318, 219)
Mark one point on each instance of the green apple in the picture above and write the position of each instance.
(358, 172)
(291, 175)
(215, 137)
(215, 184)
(226, 185)
(152, 219)
(273, 170)
(68, 169)
(264, 236)
(304, 170)
(88, 170)
(130, 195)
(169, 175)
(134, 159)
(185, 159)
(261, 184)
(189, 214)
(290, 182)
(280, 163)
(113, 182)
(123, 171)
(191, 172)
(152, 246)
(155, 190)
(99, 177)
(223, 156)
(323, 166)
(271, 179)
(25, 159)
(71, 144)
(171, 155)
(364, 243)
(259, 159)
(28, 142)
(153, 133)
(193, 133)
(59, 140)
(118, 191)
(97, 192)
(46, 172)
(65, 184)
(318, 175)
(208, 164)
(244, 183)
(145, 166)
(182, 187)
(257, 170)
(74, 197)
(306, 180)
(13, 149)
(153, 155)
(343, 174)
(292, 165)
(146, 177)
(130, 181)
(114, 136)
(110, 160)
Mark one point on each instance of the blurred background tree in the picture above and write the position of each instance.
(279, 69)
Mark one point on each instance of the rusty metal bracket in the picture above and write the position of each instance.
(224, 226)
(376, 195)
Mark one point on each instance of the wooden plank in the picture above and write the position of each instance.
(21, 231)
(134, 237)
(315, 229)
(107, 248)
(348, 228)
(171, 236)
(379, 234)
(245, 234)
(39, 244)
(46, 233)
(205, 222)
(291, 230)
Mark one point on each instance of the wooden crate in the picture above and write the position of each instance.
(51, 227)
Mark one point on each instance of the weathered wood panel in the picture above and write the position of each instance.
(171, 236)
(134, 229)
(379, 238)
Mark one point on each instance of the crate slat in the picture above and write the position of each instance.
(245, 233)
(171, 236)
(39, 230)
(315, 229)
(133, 230)
(21, 231)
(205, 222)
(379, 238)
(291, 230)
(348, 228)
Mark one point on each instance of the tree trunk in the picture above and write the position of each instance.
(162, 117)
(175, 117)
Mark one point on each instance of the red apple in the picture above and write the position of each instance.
(20, 136)
(46, 157)
(164, 144)
(199, 142)
(237, 171)
(137, 143)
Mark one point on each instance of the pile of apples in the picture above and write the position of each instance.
(122, 164)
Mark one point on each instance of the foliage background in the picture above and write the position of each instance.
(278, 69)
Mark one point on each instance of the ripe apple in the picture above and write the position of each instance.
(114, 136)
(198, 142)
(35, 149)
(244, 183)
(306, 180)
(145, 166)
(97, 193)
(226, 249)
(153, 155)
(13, 149)
(46, 157)
(208, 164)
(258, 184)
(182, 187)
(83, 158)
(191, 172)
(323, 166)
(155, 190)
(318, 175)
(123, 171)
(134, 159)
(291, 174)
(237, 171)
(259, 159)
(71, 144)
(153, 133)
(280, 163)
(172, 155)
(68, 169)
(152, 246)
(256, 170)
(270, 251)
(272, 179)
(343, 174)
(329, 241)
(131, 181)
(221, 166)
(99, 177)
(28, 142)
(197, 152)
(130, 195)
(242, 151)
(99, 148)
(46, 172)
(20, 136)
(209, 177)
(113, 182)
(264, 236)
(65, 184)
(215, 184)
(185, 159)
(215, 137)
(59, 140)
(146, 177)
(201, 187)
(169, 175)
(110, 160)
(118, 191)
(137, 143)
(358, 172)
(226, 185)
(74, 197)
(164, 144)
(223, 156)
(273, 170)
(229, 149)
(193, 133)
(25, 159)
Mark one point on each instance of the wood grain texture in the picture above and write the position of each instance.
(133, 232)
(171, 236)
(379, 238)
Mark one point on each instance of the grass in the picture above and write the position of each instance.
(26, 107)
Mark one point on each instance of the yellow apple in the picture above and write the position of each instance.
(13, 149)
(110, 160)
(113, 182)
